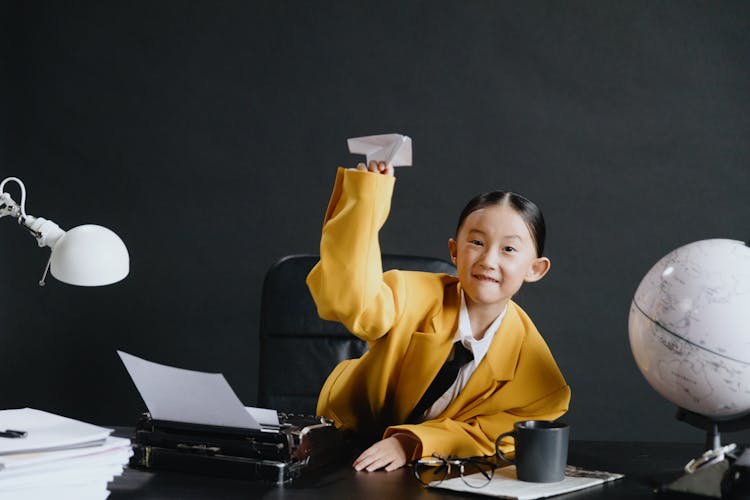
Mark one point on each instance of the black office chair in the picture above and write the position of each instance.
(298, 349)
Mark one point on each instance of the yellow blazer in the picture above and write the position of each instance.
(409, 319)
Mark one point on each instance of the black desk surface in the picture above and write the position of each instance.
(644, 464)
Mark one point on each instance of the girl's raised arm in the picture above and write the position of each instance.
(347, 284)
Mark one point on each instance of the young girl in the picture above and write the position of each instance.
(411, 320)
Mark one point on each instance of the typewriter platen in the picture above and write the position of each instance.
(276, 454)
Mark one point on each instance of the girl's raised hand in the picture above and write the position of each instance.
(379, 167)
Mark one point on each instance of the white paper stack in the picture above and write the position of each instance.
(58, 457)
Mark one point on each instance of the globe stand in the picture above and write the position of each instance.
(713, 428)
(709, 479)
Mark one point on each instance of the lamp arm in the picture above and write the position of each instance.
(7, 205)
(46, 232)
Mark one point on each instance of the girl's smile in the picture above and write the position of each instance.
(485, 278)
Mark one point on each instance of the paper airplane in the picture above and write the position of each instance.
(394, 149)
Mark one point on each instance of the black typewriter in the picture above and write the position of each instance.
(275, 454)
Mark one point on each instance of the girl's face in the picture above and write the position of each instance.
(494, 254)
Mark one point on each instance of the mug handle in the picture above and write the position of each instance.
(497, 446)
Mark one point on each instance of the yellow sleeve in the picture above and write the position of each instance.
(347, 283)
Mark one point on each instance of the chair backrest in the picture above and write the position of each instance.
(298, 349)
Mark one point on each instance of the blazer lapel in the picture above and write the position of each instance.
(425, 356)
(505, 348)
(498, 365)
(447, 318)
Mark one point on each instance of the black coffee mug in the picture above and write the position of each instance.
(541, 450)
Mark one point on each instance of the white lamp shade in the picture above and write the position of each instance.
(89, 255)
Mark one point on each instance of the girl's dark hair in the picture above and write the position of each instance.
(528, 211)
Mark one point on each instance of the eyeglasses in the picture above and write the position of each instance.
(474, 471)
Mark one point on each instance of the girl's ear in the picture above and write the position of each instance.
(537, 269)
(453, 249)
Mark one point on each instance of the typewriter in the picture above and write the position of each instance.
(195, 423)
(278, 455)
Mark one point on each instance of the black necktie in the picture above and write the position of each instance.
(459, 356)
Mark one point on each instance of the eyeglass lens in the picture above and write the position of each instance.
(430, 471)
(477, 473)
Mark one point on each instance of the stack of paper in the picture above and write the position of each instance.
(57, 457)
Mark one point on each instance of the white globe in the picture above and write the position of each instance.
(689, 328)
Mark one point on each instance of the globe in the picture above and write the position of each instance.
(689, 328)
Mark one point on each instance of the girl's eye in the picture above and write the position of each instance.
(509, 249)
(475, 242)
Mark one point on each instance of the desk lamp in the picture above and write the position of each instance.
(87, 255)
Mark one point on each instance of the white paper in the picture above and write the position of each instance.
(505, 485)
(179, 395)
(46, 431)
(394, 149)
(264, 416)
(95, 491)
(60, 476)
(115, 450)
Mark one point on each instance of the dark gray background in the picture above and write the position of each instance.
(207, 135)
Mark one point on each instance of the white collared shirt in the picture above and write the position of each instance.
(477, 347)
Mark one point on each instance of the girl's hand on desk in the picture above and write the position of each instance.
(390, 453)
(379, 167)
